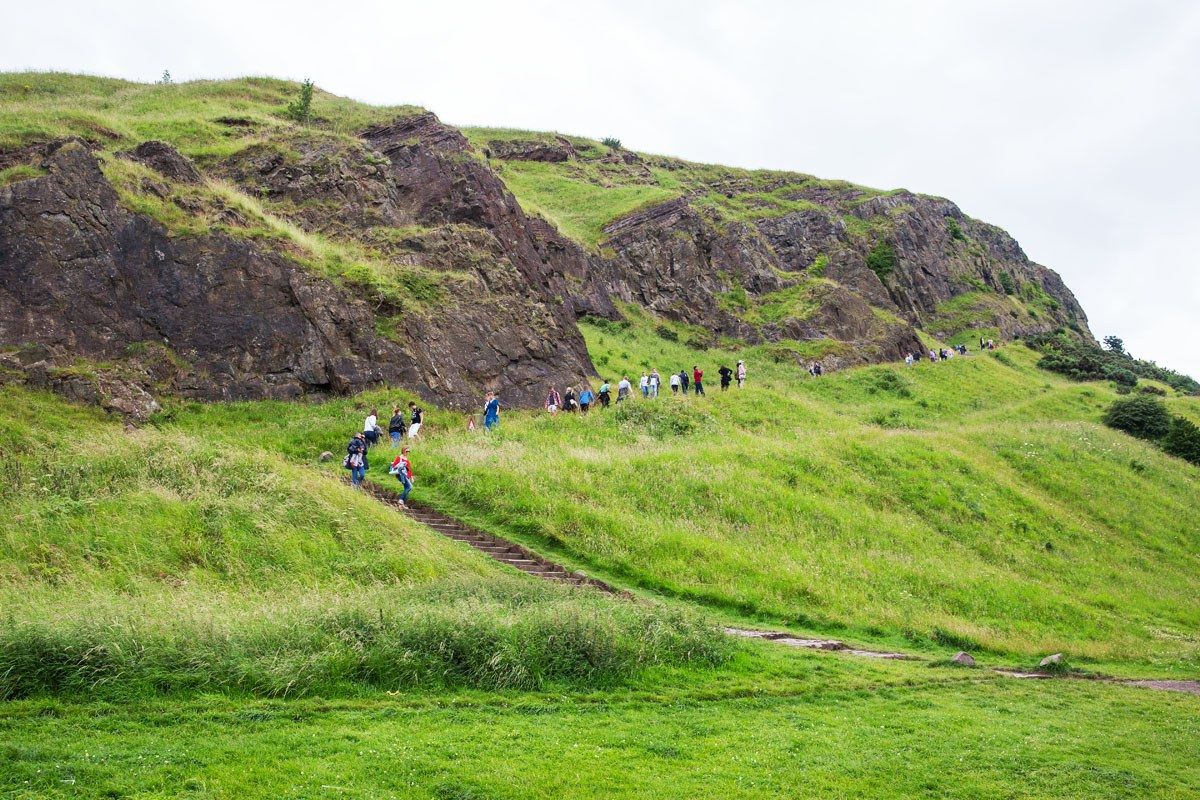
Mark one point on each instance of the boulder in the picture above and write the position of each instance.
(1052, 661)
(326, 456)
(963, 659)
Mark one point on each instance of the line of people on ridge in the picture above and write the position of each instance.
(947, 353)
(681, 382)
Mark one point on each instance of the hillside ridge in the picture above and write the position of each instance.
(269, 257)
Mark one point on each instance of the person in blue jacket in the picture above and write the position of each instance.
(491, 411)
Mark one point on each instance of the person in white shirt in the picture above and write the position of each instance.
(654, 382)
(674, 383)
(623, 389)
(370, 428)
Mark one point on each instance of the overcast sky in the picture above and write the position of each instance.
(1074, 125)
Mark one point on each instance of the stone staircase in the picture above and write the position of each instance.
(502, 550)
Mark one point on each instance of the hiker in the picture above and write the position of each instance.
(982, 343)
(396, 427)
(585, 399)
(962, 349)
(674, 383)
(726, 377)
(605, 394)
(818, 370)
(402, 469)
(491, 411)
(741, 374)
(569, 402)
(697, 380)
(553, 401)
(624, 388)
(417, 418)
(908, 359)
(644, 384)
(371, 428)
(655, 380)
(932, 356)
(683, 381)
(356, 459)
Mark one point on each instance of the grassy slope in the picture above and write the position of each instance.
(976, 503)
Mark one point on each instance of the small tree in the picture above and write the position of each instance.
(1114, 344)
(166, 78)
(954, 229)
(300, 109)
(1183, 440)
(611, 142)
(1141, 415)
(1121, 376)
(882, 259)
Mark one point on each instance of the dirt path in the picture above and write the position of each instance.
(529, 562)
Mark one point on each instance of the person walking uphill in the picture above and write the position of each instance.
(402, 469)
(726, 377)
(417, 419)
(491, 411)
(683, 381)
(698, 379)
(371, 428)
(356, 459)
(396, 427)
(624, 388)
(741, 374)
(586, 398)
(605, 394)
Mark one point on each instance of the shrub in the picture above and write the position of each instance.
(300, 109)
(612, 142)
(666, 333)
(1121, 376)
(1156, 390)
(954, 229)
(1182, 440)
(1141, 415)
(882, 259)
(817, 268)
(1083, 360)
(1007, 283)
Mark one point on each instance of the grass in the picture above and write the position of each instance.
(768, 725)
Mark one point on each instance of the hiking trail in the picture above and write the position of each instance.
(534, 565)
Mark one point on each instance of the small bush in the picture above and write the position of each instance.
(1182, 440)
(954, 229)
(882, 259)
(819, 265)
(1143, 416)
(666, 333)
(300, 109)
(1007, 284)
(611, 142)
(1121, 376)
(1155, 390)
(662, 420)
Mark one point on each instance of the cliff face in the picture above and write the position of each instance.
(98, 259)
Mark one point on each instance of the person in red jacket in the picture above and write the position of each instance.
(402, 469)
(697, 379)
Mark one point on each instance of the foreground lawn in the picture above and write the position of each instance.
(774, 724)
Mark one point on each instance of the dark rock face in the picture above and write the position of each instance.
(165, 160)
(531, 150)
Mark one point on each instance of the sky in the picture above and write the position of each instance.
(1073, 125)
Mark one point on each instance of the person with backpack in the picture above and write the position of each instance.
(585, 399)
(569, 401)
(396, 427)
(697, 380)
(741, 374)
(624, 389)
(491, 411)
(818, 370)
(402, 469)
(605, 394)
(553, 401)
(371, 428)
(726, 377)
(356, 459)
(417, 419)
(683, 381)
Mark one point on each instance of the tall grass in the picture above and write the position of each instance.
(504, 633)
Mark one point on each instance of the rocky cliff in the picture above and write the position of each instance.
(293, 260)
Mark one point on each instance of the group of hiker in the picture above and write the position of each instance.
(649, 384)
(947, 353)
(399, 428)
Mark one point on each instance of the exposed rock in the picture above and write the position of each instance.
(531, 149)
(325, 456)
(1052, 661)
(963, 659)
(165, 160)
